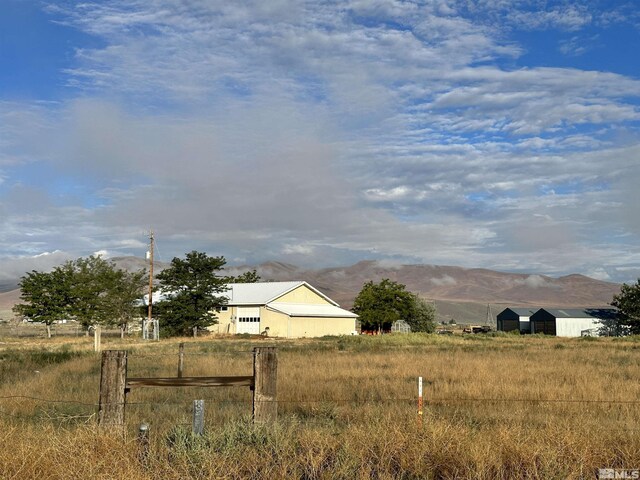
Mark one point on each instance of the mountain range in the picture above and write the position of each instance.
(459, 293)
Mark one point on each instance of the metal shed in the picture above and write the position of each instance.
(570, 322)
(513, 318)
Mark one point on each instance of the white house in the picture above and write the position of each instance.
(283, 309)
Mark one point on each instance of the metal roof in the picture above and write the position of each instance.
(306, 310)
(259, 293)
(262, 293)
(600, 313)
(522, 311)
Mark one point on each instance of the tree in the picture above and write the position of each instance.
(46, 297)
(90, 290)
(93, 280)
(247, 277)
(192, 291)
(123, 296)
(628, 304)
(423, 315)
(383, 303)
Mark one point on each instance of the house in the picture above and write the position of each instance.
(514, 319)
(571, 322)
(282, 309)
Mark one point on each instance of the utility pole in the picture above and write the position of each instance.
(489, 320)
(151, 248)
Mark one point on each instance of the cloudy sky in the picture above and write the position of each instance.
(481, 133)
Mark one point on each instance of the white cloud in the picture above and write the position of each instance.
(15, 267)
(571, 17)
(536, 281)
(445, 280)
(317, 134)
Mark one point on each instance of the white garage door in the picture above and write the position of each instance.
(248, 320)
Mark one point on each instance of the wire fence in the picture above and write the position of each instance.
(362, 401)
(9, 410)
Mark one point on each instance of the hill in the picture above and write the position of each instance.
(454, 284)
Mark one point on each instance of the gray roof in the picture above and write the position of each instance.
(304, 310)
(601, 313)
(262, 293)
(522, 311)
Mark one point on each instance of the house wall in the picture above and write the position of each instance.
(281, 325)
(225, 324)
(572, 327)
(319, 327)
(302, 294)
(278, 323)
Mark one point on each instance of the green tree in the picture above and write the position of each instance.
(93, 281)
(123, 297)
(628, 304)
(380, 304)
(192, 291)
(46, 297)
(90, 290)
(422, 317)
(247, 277)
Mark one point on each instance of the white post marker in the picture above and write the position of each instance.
(97, 331)
(420, 400)
(198, 417)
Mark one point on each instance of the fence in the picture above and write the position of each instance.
(114, 384)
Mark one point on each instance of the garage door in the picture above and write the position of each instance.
(248, 320)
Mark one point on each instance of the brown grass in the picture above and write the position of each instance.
(496, 407)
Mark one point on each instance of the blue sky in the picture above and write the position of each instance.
(487, 133)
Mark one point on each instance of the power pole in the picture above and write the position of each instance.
(151, 248)
(489, 320)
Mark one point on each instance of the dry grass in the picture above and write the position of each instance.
(496, 407)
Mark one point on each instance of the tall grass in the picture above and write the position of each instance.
(496, 407)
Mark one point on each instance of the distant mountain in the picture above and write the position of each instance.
(134, 264)
(454, 284)
(460, 293)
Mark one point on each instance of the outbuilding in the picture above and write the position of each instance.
(282, 309)
(513, 318)
(570, 322)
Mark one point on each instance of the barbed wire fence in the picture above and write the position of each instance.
(408, 403)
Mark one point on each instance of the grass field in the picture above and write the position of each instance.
(495, 407)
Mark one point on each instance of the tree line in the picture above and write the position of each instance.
(94, 291)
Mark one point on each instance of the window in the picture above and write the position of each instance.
(248, 319)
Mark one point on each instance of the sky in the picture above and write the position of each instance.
(502, 134)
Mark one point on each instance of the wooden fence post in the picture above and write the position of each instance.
(181, 360)
(265, 376)
(113, 378)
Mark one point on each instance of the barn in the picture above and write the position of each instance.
(512, 318)
(570, 322)
(283, 309)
